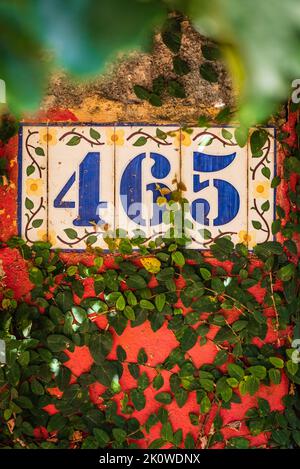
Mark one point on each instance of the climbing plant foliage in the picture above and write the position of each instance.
(42, 331)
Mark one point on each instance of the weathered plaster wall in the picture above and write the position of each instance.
(111, 97)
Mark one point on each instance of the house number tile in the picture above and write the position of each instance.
(79, 183)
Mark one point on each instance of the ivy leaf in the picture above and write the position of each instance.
(136, 281)
(158, 382)
(277, 362)
(163, 397)
(171, 34)
(176, 89)
(210, 52)
(178, 258)
(236, 371)
(138, 399)
(142, 357)
(141, 92)
(58, 342)
(160, 301)
(205, 405)
(221, 358)
(188, 339)
(181, 396)
(205, 273)
(286, 272)
(208, 72)
(258, 140)
(181, 67)
(102, 437)
(37, 223)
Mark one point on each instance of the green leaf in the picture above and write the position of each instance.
(257, 370)
(188, 339)
(138, 399)
(277, 362)
(171, 34)
(160, 301)
(181, 67)
(238, 443)
(275, 181)
(101, 436)
(75, 140)
(100, 346)
(142, 357)
(37, 388)
(286, 272)
(178, 258)
(30, 169)
(57, 342)
(210, 52)
(265, 206)
(145, 304)
(167, 432)
(36, 276)
(266, 172)
(120, 303)
(236, 371)
(208, 72)
(274, 375)
(29, 204)
(158, 382)
(221, 358)
(72, 234)
(94, 134)
(37, 223)
(121, 353)
(258, 140)
(256, 224)
(119, 434)
(129, 313)
(39, 151)
(136, 281)
(292, 367)
(205, 273)
(176, 89)
(181, 396)
(163, 397)
(205, 405)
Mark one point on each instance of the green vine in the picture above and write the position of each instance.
(40, 333)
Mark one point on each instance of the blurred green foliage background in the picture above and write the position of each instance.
(260, 41)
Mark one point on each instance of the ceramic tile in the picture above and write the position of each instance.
(261, 196)
(81, 181)
(72, 177)
(147, 163)
(33, 184)
(214, 171)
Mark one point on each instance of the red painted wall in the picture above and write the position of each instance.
(158, 344)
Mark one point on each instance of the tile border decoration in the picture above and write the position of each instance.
(258, 210)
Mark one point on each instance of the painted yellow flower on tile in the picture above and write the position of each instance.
(34, 186)
(48, 135)
(115, 136)
(183, 138)
(42, 235)
(247, 238)
(261, 189)
(151, 264)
